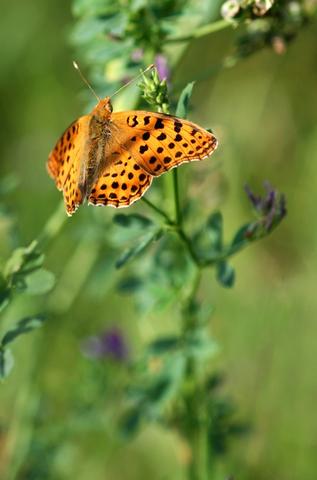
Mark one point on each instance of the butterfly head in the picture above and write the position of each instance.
(103, 109)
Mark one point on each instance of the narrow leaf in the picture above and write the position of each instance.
(215, 227)
(39, 282)
(240, 237)
(133, 219)
(225, 274)
(129, 285)
(6, 362)
(200, 345)
(4, 293)
(130, 423)
(23, 260)
(23, 326)
(183, 102)
(137, 249)
(163, 345)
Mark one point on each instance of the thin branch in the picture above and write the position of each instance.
(158, 210)
(53, 225)
(178, 211)
(202, 31)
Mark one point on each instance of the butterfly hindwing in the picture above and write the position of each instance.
(122, 182)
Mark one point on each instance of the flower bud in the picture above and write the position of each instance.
(230, 9)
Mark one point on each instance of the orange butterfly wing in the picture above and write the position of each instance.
(160, 142)
(64, 162)
(122, 182)
(144, 145)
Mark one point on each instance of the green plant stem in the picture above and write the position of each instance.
(174, 225)
(194, 394)
(198, 469)
(194, 397)
(158, 210)
(25, 407)
(188, 244)
(178, 211)
(53, 226)
(202, 31)
(72, 280)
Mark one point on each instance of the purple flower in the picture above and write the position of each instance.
(162, 66)
(271, 208)
(108, 345)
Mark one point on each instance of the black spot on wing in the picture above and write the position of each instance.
(143, 148)
(159, 123)
(161, 136)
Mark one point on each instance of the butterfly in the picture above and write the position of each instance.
(111, 158)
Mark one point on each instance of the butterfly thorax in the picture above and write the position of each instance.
(99, 134)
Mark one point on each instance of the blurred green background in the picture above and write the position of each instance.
(264, 112)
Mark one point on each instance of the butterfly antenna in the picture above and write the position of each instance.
(84, 79)
(133, 79)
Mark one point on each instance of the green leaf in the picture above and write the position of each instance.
(6, 362)
(129, 285)
(183, 102)
(199, 345)
(132, 220)
(23, 326)
(163, 345)
(4, 293)
(97, 7)
(138, 249)
(131, 421)
(215, 227)
(225, 274)
(209, 238)
(240, 237)
(39, 282)
(159, 390)
(4, 299)
(168, 382)
(163, 387)
(23, 260)
(23, 271)
(214, 381)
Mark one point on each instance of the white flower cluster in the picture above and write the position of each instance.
(231, 8)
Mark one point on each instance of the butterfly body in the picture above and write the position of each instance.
(93, 158)
(111, 158)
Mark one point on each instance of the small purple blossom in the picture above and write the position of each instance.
(271, 208)
(108, 345)
(162, 66)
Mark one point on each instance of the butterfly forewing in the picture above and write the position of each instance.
(160, 142)
(64, 162)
